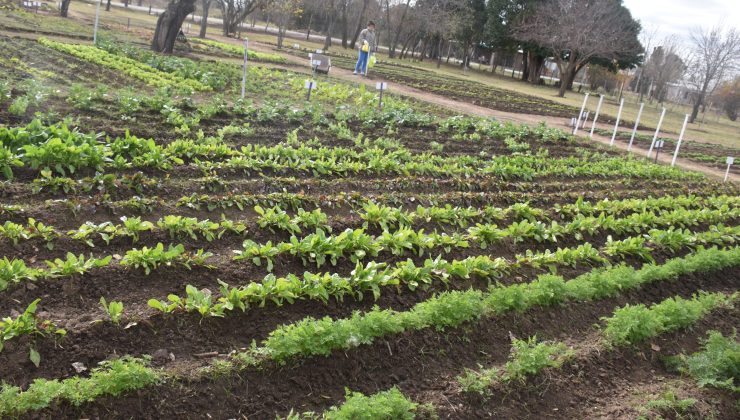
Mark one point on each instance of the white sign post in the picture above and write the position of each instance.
(658, 146)
(95, 29)
(315, 65)
(310, 84)
(585, 98)
(616, 125)
(244, 70)
(596, 116)
(381, 86)
(730, 161)
(680, 139)
(657, 130)
(634, 129)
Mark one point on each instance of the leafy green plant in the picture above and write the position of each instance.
(634, 323)
(527, 357)
(15, 271)
(152, 258)
(27, 324)
(113, 309)
(133, 226)
(112, 377)
(669, 404)
(717, 364)
(386, 405)
(76, 265)
(258, 253)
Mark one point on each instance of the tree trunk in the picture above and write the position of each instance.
(359, 24)
(423, 48)
(699, 101)
(64, 8)
(525, 64)
(206, 4)
(308, 33)
(125, 3)
(397, 35)
(535, 68)
(345, 34)
(280, 36)
(107, 6)
(439, 52)
(169, 24)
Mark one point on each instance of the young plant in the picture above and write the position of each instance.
(152, 258)
(113, 309)
(74, 265)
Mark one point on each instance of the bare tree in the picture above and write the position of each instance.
(664, 66)
(235, 11)
(169, 24)
(282, 11)
(715, 54)
(577, 31)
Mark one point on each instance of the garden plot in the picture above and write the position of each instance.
(201, 254)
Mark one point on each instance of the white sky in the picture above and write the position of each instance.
(679, 17)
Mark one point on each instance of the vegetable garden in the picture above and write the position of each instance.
(171, 250)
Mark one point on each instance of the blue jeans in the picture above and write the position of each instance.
(361, 65)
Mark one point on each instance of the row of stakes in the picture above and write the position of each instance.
(655, 144)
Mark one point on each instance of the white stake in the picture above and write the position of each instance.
(680, 138)
(634, 129)
(596, 117)
(616, 125)
(730, 161)
(244, 72)
(657, 130)
(585, 98)
(95, 29)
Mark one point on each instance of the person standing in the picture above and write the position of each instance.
(367, 44)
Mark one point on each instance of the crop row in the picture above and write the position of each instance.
(373, 214)
(320, 337)
(62, 150)
(628, 325)
(239, 50)
(374, 276)
(357, 245)
(125, 65)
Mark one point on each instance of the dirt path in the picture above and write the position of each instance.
(470, 109)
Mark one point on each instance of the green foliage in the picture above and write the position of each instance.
(634, 323)
(717, 364)
(111, 378)
(75, 265)
(670, 405)
(152, 258)
(14, 271)
(527, 358)
(27, 324)
(113, 309)
(385, 405)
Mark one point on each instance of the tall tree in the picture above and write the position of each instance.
(714, 53)
(664, 66)
(577, 31)
(205, 6)
(234, 12)
(360, 24)
(169, 24)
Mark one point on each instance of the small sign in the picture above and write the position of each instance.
(730, 160)
(310, 55)
(319, 51)
(381, 85)
(296, 47)
(316, 63)
(659, 144)
(310, 84)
